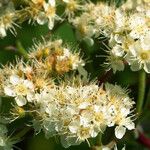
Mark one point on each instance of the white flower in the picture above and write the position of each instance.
(48, 14)
(120, 20)
(71, 7)
(115, 148)
(76, 62)
(114, 62)
(138, 26)
(19, 88)
(138, 57)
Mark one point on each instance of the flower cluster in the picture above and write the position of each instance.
(24, 80)
(53, 57)
(77, 112)
(128, 33)
(74, 110)
(95, 20)
(40, 11)
(45, 12)
(139, 5)
(130, 41)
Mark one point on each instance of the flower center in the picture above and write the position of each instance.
(72, 6)
(21, 90)
(144, 56)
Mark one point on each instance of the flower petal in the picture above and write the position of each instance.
(9, 91)
(147, 66)
(120, 131)
(14, 79)
(20, 100)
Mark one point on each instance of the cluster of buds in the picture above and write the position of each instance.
(55, 58)
(24, 80)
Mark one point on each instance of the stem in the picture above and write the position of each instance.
(0, 103)
(21, 49)
(98, 145)
(147, 100)
(99, 139)
(21, 133)
(141, 91)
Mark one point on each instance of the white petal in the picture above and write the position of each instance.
(115, 148)
(94, 132)
(130, 126)
(2, 32)
(14, 79)
(9, 91)
(28, 84)
(136, 66)
(30, 96)
(52, 2)
(66, 1)
(145, 41)
(118, 51)
(21, 101)
(41, 19)
(129, 58)
(118, 38)
(84, 105)
(89, 41)
(147, 67)
(120, 131)
(73, 127)
(117, 65)
(106, 148)
(51, 23)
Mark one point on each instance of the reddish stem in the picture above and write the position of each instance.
(144, 140)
